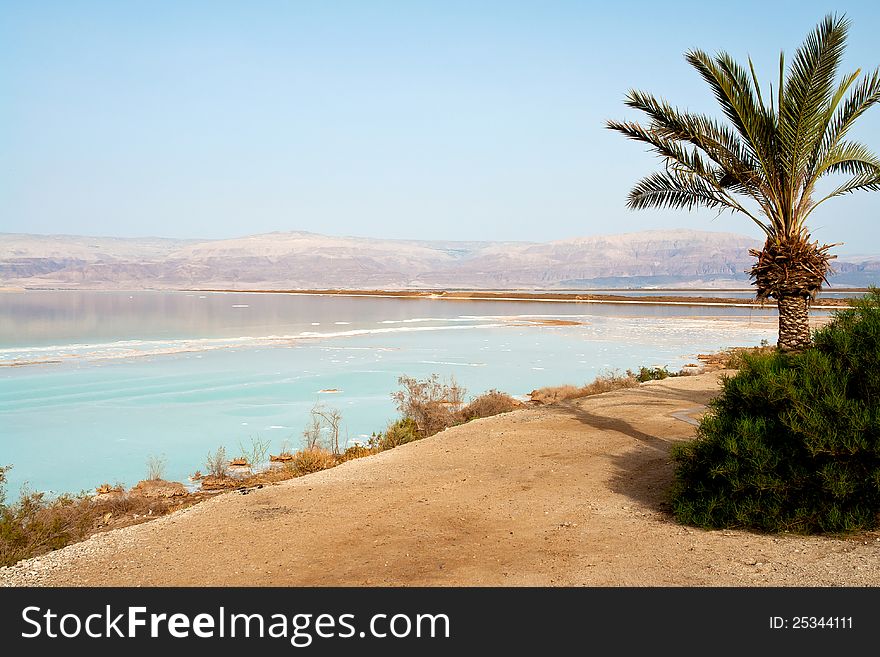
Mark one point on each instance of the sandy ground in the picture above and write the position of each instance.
(565, 495)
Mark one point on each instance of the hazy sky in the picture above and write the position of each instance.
(435, 120)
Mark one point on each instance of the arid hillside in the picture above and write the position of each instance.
(307, 260)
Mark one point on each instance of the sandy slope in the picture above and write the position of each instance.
(565, 495)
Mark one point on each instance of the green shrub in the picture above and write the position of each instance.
(650, 374)
(793, 441)
(36, 524)
(399, 433)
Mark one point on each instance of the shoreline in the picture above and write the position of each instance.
(552, 297)
(564, 495)
(513, 295)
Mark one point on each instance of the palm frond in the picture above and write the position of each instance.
(809, 89)
(674, 189)
(719, 143)
(771, 149)
(864, 96)
(688, 159)
(869, 181)
(733, 90)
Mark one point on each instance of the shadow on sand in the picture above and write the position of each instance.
(643, 474)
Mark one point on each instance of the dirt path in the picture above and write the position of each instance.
(564, 495)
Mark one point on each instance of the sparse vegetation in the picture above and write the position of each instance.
(37, 524)
(793, 441)
(255, 454)
(312, 460)
(323, 429)
(358, 452)
(398, 433)
(488, 404)
(34, 525)
(603, 383)
(3, 470)
(216, 464)
(651, 374)
(156, 467)
(432, 404)
(732, 357)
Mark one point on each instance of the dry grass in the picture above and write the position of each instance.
(357, 452)
(487, 405)
(605, 383)
(731, 359)
(312, 460)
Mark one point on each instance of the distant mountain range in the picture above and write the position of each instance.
(668, 258)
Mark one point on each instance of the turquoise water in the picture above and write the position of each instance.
(104, 380)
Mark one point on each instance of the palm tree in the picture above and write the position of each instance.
(765, 161)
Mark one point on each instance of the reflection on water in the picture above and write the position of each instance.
(41, 318)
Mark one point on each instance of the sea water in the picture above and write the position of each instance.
(92, 384)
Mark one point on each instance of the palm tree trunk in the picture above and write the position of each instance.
(794, 323)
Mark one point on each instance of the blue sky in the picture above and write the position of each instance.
(434, 120)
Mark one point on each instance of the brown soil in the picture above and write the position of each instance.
(159, 488)
(569, 494)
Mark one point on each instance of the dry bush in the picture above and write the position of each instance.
(105, 489)
(216, 464)
(312, 438)
(35, 525)
(283, 456)
(357, 452)
(434, 417)
(488, 404)
(604, 383)
(323, 420)
(256, 453)
(553, 394)
(156, 467)
(433, 404)
(312, 460)
(134, 505)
